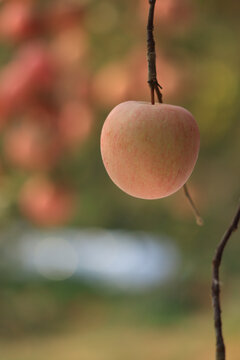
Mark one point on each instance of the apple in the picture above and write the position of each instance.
(75, 123)
(46, 203)
(80, 84)
(18, 21)
(70, 47)
(38, 65)
(32, 70)
(31, 145)
(149, 151)
(64, 15)
(105, 93)
(14, 88)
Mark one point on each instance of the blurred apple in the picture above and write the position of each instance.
(32, 70)
(111, 84)
(63, 15)
(14, 89)
(38, 65)
(46, 203)
(75, 123)
(70, 46)
(18, 21)
(82, 85)
(31, 146)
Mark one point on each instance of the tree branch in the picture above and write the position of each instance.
(151, 55)
(220, 346)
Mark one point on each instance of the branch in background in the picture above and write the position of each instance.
(220, 347)
(151, 55)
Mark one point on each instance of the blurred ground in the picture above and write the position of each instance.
(76, 322)
(191, 338)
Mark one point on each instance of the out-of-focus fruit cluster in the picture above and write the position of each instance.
(66, 63)
(45, 102)
(51, 88)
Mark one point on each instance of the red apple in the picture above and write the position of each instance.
(63, 15)
(149, 151)
(81, 84)
(75, 123)
(18, 21)
(111, 84)
(70, 47)
(31, 146)
(33, 70)
(14, 88)
(38, 65)
(46, 203)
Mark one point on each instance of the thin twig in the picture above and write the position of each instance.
(151, 55)
(220, 347)
(197, 215)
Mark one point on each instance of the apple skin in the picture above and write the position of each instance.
(149, 151)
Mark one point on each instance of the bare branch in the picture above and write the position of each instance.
(220, 346)
(151, 55)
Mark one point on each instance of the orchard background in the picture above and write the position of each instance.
(64, 66)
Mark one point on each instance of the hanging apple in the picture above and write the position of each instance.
(149, 151)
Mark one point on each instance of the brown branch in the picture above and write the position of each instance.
(151, 55)
(220, 347)
(197, 215)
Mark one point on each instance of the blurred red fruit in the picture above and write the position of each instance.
(46, 203)
(18, 21)
(33, 70)
(111, 84)
(83, 87)
(70, 47)
(75, 123)
(38, 65)
(63, 15)
(31, 146)
(13, 88)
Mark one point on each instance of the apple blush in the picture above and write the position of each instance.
(149, 151)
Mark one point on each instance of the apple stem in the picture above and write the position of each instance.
(220, 347)
(151, 56)
(152, 96)
(197, 215)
